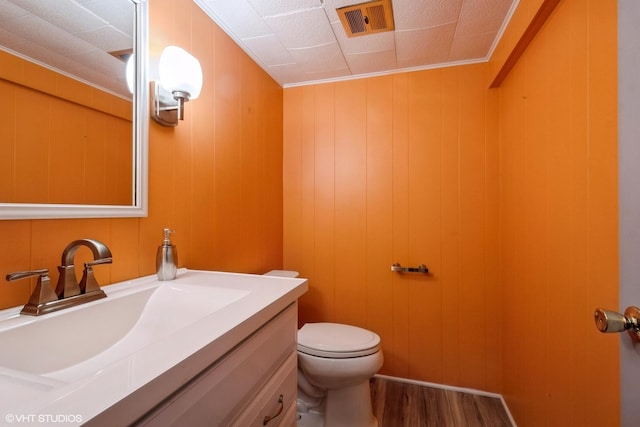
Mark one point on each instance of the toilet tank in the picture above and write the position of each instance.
(282, 273)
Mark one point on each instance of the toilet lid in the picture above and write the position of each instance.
(337, 341)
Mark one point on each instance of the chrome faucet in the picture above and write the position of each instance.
(68, 291)
(67, 283)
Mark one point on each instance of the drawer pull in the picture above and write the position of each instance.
(268, 418)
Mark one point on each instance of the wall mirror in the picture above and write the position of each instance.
(73, 137)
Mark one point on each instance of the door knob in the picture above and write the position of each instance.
(611, 321)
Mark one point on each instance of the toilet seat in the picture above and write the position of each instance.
(337, 341)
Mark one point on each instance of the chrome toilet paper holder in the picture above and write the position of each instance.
(419, 269)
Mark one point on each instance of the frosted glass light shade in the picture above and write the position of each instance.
(131, 62)
(180, 71)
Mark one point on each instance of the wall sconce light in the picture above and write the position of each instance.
(180, 81)
(129, 72)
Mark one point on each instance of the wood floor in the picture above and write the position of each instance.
(400, 404)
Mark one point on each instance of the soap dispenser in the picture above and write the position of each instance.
(167, 258)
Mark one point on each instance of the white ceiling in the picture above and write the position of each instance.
(72, 36)
(302, 41)
(295, 41)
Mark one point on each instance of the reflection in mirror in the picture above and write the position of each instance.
(73, 140)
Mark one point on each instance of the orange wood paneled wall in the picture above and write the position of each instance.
(216, 178)
(62, 141)
(508, 195)
(404, 169)
(559, 221)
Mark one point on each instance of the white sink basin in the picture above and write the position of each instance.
(97, 334)
(146, 338)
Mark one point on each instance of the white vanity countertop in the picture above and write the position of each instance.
(152, 372)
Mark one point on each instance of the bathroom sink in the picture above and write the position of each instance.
(146, 339)
(71, 344)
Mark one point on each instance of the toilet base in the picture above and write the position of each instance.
(345, 407)
(350, 407)
(310, 419)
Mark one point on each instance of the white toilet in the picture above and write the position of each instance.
(335, 363)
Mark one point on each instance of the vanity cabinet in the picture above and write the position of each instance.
(254, 382)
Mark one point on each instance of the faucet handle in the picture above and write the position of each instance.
(88, 283)
(43, 292)
(24, 274)
(98, 262)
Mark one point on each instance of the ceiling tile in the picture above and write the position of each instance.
(471, 47)
(9, 11)
(65, 14)
(105, 64)
(47, 35)
(319, 58)
(237, 17)
(417, 14)
(316, 76)
(117, 13)
(281, 7)
(47, 56)
(269, 50)
(108, 39)
(430, 45)
(367, 63)
(289, 73)
(482, 16)
(302, 29)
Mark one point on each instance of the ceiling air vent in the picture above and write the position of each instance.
(367, 18)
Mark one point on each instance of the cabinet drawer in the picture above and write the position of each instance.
(290, 418)
(274, 400)
(217, 394)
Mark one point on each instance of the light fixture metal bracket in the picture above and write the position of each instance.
(165, 109)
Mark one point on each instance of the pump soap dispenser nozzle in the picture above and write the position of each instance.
(167, 258)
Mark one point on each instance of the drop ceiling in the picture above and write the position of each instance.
(295, 41)
(80, 38)
(303, 41)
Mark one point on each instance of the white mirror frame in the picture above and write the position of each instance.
(139, 208)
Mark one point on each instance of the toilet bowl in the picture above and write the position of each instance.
(335, 364)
